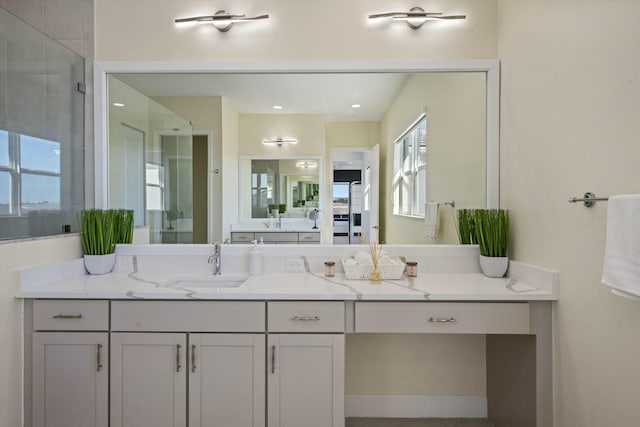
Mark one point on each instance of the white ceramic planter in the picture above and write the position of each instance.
(494, 266)
(99, 264)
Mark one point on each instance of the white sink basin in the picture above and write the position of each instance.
(212, 281)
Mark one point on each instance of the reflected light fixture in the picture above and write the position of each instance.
(306, 165)
(279, 141)
(416, 17)
(222, 20)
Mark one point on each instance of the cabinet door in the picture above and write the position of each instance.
(226, 380)
(305, 380)
(148, 380)
(70, 379)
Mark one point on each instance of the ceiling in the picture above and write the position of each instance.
(331, 94)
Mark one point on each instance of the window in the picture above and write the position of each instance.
(409, 170)
(155, 186)
(29, 174)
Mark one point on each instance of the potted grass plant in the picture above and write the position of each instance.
(98, 235)
(492, 236)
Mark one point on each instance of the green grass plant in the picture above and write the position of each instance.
(492, 232)
(124, 226)
(466, 227)
(98, 231)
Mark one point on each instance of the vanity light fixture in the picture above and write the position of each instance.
(355, 106)
(277, 107)
(306, 165)
(279, 141)
(415, 17)
(222, 20)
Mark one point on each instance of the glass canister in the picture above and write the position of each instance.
(329, 268)
(411, 269)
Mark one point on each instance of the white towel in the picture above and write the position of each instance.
(621, 268)
(431, 219)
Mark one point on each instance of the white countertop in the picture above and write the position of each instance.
(291, 286)
(148, 272)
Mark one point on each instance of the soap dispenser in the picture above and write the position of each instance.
(255, 260)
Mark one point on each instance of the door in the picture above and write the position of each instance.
(370, 194)
(70, 379)
(305, 380)
(226, 380)
(148, 380)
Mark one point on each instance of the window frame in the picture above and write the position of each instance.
(405, 176)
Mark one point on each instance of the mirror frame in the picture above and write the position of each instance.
(490, 66)
(243, 181)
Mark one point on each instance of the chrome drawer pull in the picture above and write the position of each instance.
(193, 358)
(68, 316)
(99, 357)
(305, 318)
(442, 320)
(273, 359)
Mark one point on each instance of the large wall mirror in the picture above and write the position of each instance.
(328, 110)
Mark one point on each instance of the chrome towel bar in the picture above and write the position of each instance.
(589, 199)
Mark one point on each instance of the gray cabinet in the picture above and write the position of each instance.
(276, 237)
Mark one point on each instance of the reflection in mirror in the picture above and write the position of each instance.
(151, 167)
(279, 187)
(461, 158)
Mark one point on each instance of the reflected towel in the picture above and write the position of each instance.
(621, 268)
(431, 219)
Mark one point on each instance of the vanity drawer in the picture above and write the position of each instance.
(242, 237)
(442, 318)
(70, 315)
(309, 237)
(188, 316)
(306, 316)
(278, 237)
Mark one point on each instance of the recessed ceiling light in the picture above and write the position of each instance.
(355, 106)
(277, 107)
(118, 104)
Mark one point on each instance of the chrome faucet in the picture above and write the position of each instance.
(216, 259)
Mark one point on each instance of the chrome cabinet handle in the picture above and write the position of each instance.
(273, 359)
(193, 357)
(99, 357)
(443, 319)
(178, 366)
(68, 316)
(305, 318)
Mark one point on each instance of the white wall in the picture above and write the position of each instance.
(569, 124)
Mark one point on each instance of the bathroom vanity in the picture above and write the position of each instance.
(161, 341)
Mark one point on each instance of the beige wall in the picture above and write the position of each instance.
(455, 104)
(569, 124)
(296, 30)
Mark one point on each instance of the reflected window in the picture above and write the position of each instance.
(155, 186)
(409, 172)
(29, 174)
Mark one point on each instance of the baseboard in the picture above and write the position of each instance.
(403, 406)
